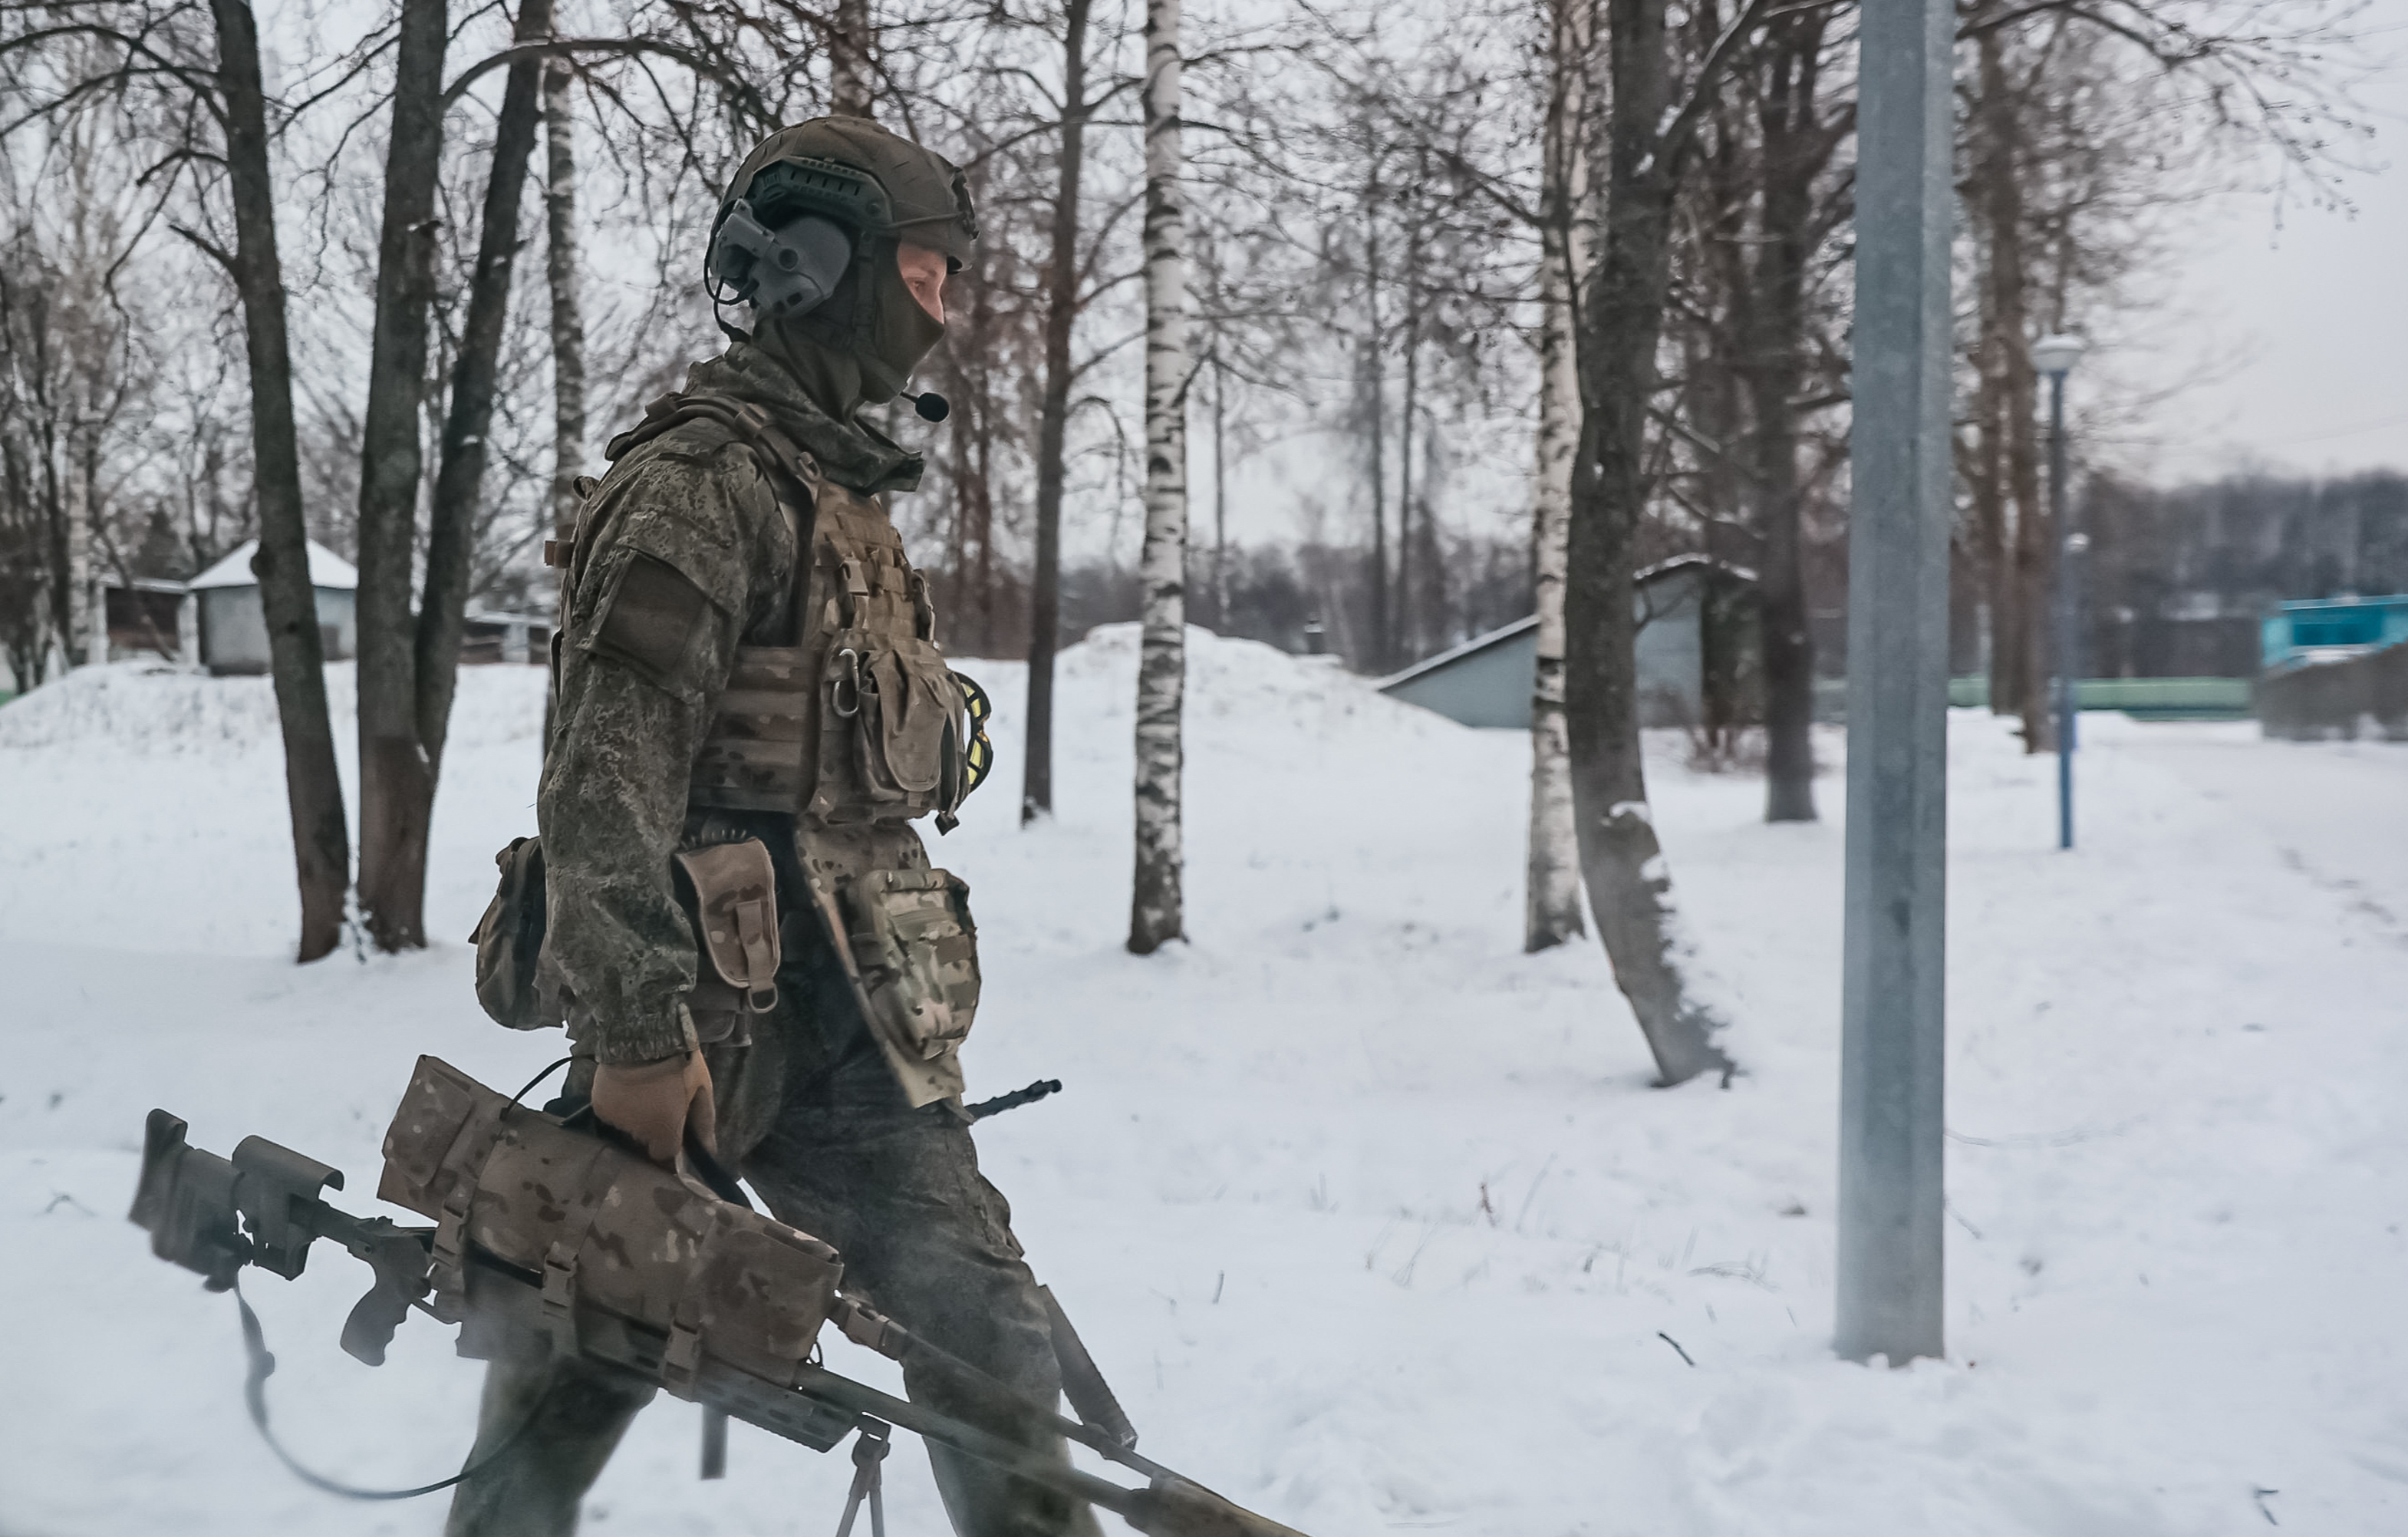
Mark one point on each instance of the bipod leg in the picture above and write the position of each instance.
(714, 1440)
(868, 1451)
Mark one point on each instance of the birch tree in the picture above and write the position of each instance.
(1551, 904)
(1155, 915)
(561, 263)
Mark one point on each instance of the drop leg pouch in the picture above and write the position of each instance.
(910, 949)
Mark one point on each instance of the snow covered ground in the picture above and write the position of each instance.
(1372, 1219)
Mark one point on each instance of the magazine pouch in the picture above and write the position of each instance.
(893, 721)
(731, 896)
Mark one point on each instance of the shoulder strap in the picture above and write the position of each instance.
(745, 419)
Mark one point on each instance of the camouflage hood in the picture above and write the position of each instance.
(851, 452)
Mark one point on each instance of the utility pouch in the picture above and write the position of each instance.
(511, 983)
(917, 949)
(893, 725)
(732, 895)
(909, 946)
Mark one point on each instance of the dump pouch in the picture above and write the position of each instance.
(511, 979)
(908, 945)
(731, 891)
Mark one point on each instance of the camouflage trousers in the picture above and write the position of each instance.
(925, 1239)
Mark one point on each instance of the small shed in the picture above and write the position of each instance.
(148, 617)
(1697, 644)
(234, 629)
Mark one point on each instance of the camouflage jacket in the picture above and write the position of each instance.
(628, 719)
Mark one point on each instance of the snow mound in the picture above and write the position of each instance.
(158, 707)
(1231, 678)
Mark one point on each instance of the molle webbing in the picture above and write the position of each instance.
(756, 754)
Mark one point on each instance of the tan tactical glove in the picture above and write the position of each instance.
(654, 1102)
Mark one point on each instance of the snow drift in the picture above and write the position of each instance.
(1371, 1218)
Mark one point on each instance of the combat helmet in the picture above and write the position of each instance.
(807, 234)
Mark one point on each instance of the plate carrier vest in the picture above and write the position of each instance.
(855, 728)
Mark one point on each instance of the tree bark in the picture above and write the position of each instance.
(1155, 906)
(562, 258)
(75, 481)
(1629, 886)
(296, 658)
(1409, 607)
(1985, 478)
(397, 784)
(1796, 147)
(452, 532)
(1220, 497)
(1371, 381)
(1552, 898)
(1052, 421)
(2008, 286)
(851, 80)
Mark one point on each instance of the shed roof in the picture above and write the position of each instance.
(1447, 658)
(1681, 563)
(326, 569)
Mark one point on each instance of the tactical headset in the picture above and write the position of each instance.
(784, 245)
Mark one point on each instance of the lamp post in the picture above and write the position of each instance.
(2056, 355)
(1892, 998)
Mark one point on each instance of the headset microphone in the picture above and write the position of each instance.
(931, 405)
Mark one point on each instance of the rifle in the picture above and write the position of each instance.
(547, 1230)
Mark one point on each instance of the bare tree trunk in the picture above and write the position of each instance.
(1795, 149)
(1409, 617)
(1372, 383)
(851, 79)
(562, 258)
(452, 532)
(1220, 496)
(1552, 898)
(75, 482)
(1052, 421)
(1986, 478)
(1155, 906)
(397, 784)
(1629, 886)
(296, 658)
(2009, 285)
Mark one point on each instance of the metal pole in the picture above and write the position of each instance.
(1892, 1024)
(2068, 663)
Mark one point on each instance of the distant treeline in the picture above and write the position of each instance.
(2176, 580)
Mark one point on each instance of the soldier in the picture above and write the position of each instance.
(750, 946)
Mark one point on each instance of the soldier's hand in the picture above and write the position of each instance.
(653, 1102)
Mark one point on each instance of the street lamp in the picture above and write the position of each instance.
(2056, 355)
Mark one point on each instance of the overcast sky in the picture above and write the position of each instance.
(2289, 344)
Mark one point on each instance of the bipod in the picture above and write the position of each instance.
(869, 1452)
